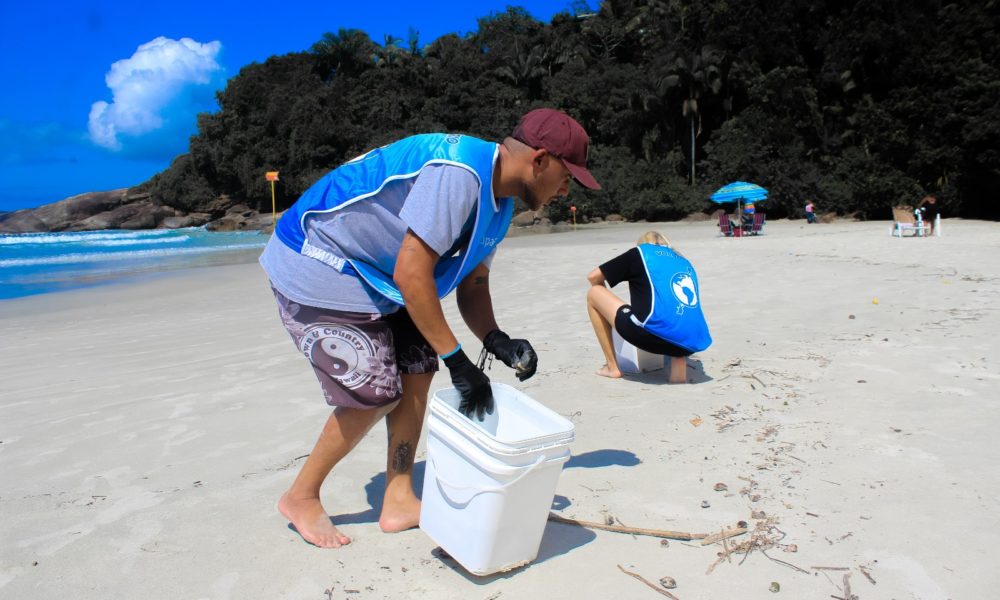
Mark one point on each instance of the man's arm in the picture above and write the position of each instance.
(414, 275)
(475, 302)
(476, 306)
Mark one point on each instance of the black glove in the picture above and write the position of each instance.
(516, 354)
(473, 384)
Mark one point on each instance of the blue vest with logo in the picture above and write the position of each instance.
(362, 178)
(676, 312)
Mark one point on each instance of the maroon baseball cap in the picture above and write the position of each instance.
(563, 137)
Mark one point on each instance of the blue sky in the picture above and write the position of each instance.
(101, 95)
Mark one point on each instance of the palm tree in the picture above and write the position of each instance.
(349, 51)
(689, 78)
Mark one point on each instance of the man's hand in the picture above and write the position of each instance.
(472, 384)
(516, 354)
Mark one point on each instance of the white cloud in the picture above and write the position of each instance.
(155, 95)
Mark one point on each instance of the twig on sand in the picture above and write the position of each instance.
(722, 535)
(847, 590)
(787, 564)
(647, 582)
(830, 568)
(847, 587)
(674, 535)
(865, 572)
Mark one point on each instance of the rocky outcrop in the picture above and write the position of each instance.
(62, 215)
(138, 215)
(119, 210)
(525, 219)
(243, 218)
(188, 220)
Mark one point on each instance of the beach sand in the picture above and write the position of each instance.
(148, 429)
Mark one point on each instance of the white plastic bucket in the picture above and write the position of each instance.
(634, 360)
(488, 485)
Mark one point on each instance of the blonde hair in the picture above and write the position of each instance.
(657, 239)
(653, 237)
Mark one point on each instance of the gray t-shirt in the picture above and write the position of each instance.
(439, 205)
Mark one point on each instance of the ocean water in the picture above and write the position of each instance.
(40, 263)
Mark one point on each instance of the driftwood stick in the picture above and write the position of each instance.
(787, 564)
(847, 587)
(646, 581)
(830, 568)
(674, 535)
(865, 572)
(722, 535)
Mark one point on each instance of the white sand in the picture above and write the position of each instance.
(147, 430)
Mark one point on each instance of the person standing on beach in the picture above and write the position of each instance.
(359, 265)
(665, 315)
(928, 211)
(810, 212)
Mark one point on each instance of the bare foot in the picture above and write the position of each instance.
(311, 521)
(606, 371)
(400, 516)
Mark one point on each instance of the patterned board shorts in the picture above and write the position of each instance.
(357, 357)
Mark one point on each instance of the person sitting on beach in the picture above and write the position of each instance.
(358, 266)
(748, 210)
(665, 316)
(928, 212)
(810, 212)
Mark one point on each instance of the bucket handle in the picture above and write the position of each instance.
(479, 489)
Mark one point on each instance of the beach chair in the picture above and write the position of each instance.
(757, 228)
(725, 225)
(903, 221)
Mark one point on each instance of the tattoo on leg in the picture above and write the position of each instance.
(402, 458)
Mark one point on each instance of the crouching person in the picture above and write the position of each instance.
(664, 316)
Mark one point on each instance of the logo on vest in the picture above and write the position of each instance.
(452, 138)
(341, 351)
(682, 286)
(489, 242)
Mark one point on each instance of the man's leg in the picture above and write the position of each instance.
(400, 506)
(301, 503)
(602, 305)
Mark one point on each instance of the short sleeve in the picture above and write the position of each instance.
(439, 206)
(622, 267)
(488, 261)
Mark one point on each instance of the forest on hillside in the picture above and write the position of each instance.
(859, 105)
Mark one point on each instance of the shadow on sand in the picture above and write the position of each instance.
(557, 539)
(696, 374)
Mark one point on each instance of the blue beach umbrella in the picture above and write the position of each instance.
(739, 191)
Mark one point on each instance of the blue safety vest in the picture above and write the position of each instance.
(676, 312)
(365, 176)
